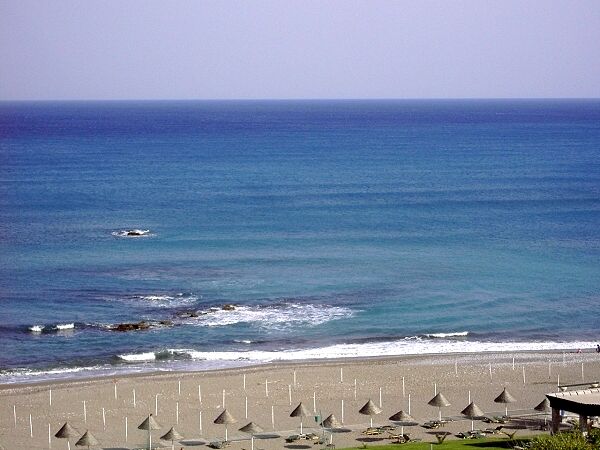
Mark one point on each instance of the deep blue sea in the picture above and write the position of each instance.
(336, 228)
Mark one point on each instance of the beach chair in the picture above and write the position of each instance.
(292, 438)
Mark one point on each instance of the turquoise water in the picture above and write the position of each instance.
(337, 228)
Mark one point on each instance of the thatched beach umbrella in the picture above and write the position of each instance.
(251, 428)
(472, 411)
(172, 435)
(331, 423)
(225, 418)
(149, 424)
(370, 409)
(440, 401)
(87, 440)
(404, 420)
(67, 432)
(544, 407)
(505, 398)
(300, 411)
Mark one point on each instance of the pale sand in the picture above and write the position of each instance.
(419, 373)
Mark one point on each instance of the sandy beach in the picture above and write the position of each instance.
(191, 401)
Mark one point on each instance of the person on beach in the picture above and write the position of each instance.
(598, 348)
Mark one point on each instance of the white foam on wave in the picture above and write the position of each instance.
(137, 357)
(36, 328)
(65, 326)
(448, 335)
(272, 317)
(392, 348)
(166, 300)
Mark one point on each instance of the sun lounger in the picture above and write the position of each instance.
(218, 444)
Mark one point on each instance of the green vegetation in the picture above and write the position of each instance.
(470, 444)
(567, 441)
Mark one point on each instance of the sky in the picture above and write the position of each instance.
(305, 49)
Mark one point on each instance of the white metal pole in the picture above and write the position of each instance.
(199, 394)
(523, 374)
(125, 428)
(246, 407)
(156, 405)
(223, 399)
(469, 398)
(30, 427)
(409, 404)
(456, 368)
(341, 374)
(179, 387)
(50, 397)
(549, 370)
(290, 393)
(314, 402)
(513, 363)
(403, 391)
(103, 419)
(200, 421)
(244, 381)
(115, 390)
(355, 389)
(294, 378)
(84, 412)
(582, 377)
(15, 414)
(273, 416)
(266, 388)
(434, 388)
(380, 399)
(177, 413)
(558, 379)
(134, 398)
(342, 411)
(491, 372)
(49, 437)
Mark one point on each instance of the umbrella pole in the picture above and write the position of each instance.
(440, 414)
(252, 442)
(300, 425)
(506, 411)
(225, 433)
(68, 445)
(371, 422)
(149, 438)
(471, 425)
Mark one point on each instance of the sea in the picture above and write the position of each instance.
(292, 230)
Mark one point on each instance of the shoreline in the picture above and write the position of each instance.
(277, 364)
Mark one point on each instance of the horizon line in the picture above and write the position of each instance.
(290, 99)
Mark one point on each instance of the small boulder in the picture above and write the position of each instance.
(228, 307)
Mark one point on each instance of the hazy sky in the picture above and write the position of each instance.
(160, 49)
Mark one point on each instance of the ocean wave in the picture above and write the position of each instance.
(137, 357)
(447, 335)
(271, 316)
(36, 328)
(166, 300)
(402, 347)
(65, 326)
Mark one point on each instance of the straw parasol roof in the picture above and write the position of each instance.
(171, 435)
(439, 400)
(225, 418)
(300, 411)
(543, 406)
(87, 440)
(331, 422)
(149, 424)
(66, 432)
(370, 409)
(472, 411)
(403, 417)
(251, 428)
(505, 397)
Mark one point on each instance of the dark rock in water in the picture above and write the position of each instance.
(185, 314)
(132, 326)
(168, 323)
(228, 307)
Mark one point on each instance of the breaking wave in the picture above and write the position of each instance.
(272, 316)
